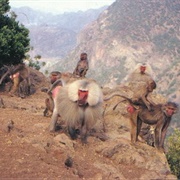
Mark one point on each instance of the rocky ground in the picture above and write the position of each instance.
(29, 151)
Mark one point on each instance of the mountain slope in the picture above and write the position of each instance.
(54, 36)
(127, 33)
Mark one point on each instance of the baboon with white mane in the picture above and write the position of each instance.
(79, 104)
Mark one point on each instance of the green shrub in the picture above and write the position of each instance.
(173, 155)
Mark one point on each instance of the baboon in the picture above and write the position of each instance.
(57, 80)
(52, 93)
(160, 116)
(79, 103)
(137, 92)
(18, 74)
(142, 72)
(82, 66)
(54, 76)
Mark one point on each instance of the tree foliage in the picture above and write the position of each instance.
(4, 6)
(14, 37)
(173, 155)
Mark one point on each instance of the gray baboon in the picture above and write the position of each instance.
(142, 72)
(79, 104)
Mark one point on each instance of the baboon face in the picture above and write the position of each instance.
(142, 69)
(83, 56)
(170, 109)
(54, 76)
(82, 97)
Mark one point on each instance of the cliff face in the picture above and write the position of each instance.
(129, 32)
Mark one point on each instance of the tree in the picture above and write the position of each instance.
(173, 155)
(4, 6)
(14, 42)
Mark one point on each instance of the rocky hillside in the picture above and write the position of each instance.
(30, 151)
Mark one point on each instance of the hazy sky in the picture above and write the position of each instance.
(60, 6)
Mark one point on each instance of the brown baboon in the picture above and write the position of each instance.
(54, 76)
(57, 80)
(82, 66)
(19, 74)
(79, 104)
(160, 116)
(56, 86)
(137, 92)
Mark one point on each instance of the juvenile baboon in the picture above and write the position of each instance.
(160, 116)
(79, 104)
(54, 76)
(57, 80)
(82, 66)
(52, 94)
(137, 92)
